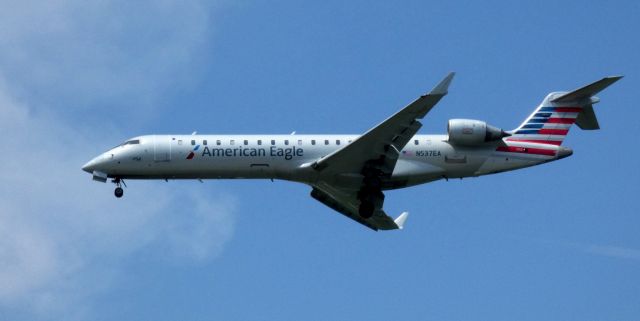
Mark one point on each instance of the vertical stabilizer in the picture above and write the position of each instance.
(552, 119)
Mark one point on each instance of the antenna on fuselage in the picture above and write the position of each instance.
(293, 132)
(194, 133)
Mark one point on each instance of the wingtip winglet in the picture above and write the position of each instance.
(443, 87)
(401, 219)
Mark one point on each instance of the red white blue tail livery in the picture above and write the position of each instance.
(551, 121)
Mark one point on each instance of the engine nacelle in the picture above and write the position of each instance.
(471, 132)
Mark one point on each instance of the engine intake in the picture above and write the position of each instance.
(471, 132)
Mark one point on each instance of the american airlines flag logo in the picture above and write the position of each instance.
(191, 154)
(548, 125)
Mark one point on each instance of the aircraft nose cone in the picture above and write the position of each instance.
(564, 152)
(89, 166)
(94, 164)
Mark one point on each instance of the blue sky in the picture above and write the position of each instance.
(554, 242)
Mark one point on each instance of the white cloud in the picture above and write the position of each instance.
(58, 227)
(79, 53)
(63, 237)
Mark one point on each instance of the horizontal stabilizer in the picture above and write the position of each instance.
(588, 90)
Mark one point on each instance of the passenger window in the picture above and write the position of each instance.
(193, 142)
(218, 142)
(286, 142)
(259, 142)
(204, 142)
(300, 142)
(313, 142)
(326, 142)
(349, 141)
(179, 141)
(337, 142)
(416, 142)
(273, 142)
(232, 142)
(246, 142)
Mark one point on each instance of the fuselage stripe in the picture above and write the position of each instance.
(526, 150)
(537, 141)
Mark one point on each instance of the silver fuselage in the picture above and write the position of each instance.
(424, 159)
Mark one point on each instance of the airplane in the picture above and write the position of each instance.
(349, 173)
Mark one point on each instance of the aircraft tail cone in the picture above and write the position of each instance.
(564, 152)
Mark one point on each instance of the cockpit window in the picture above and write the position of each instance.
(129, 142)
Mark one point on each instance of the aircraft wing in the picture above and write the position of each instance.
(381, 145)
(346, 203)
(352, 178)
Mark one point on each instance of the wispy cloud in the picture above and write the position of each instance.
(64, 237)
(612, 251)
(59, 229)
(76, 54)
(618, 252)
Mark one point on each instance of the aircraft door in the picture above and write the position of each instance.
(161, 148)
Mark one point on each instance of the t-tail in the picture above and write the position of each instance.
(552, 119)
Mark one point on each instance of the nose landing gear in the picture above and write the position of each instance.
(118, 191)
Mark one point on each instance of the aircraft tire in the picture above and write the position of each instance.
(118, 192)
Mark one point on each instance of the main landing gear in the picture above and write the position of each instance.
(119, 191)
(370, 194)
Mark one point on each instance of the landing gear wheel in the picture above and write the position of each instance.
(119, 182)
(366, 209)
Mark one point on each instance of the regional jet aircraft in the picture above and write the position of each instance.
(349, 173)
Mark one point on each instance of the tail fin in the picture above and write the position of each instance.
(550, 122)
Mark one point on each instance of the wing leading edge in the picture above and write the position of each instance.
(385, 140)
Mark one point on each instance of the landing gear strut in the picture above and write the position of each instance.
(119, 191)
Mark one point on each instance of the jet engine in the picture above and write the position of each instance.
(471, 132)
